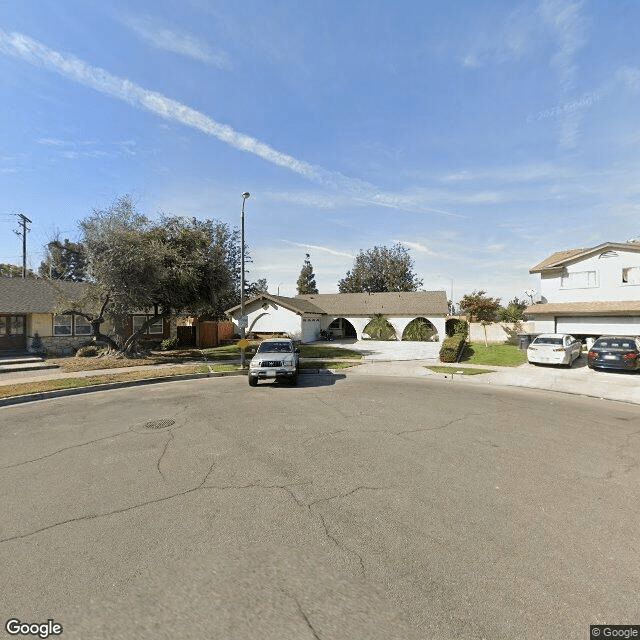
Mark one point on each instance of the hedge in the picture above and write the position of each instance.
(451, 348)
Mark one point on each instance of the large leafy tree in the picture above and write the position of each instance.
(307, 280)
(381, 269)
(64, 261)
(172, 265)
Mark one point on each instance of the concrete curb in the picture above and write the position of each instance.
(61, 393)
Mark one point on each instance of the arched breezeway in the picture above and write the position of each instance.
(344, 328)
(355, 325)
(422, 330)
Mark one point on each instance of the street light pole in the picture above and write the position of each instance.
(245, 195)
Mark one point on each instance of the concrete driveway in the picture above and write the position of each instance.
(388, 351)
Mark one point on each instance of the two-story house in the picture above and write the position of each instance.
(589, 292)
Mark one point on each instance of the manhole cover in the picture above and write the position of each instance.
(162, 423)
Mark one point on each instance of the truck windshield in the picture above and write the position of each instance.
(275, 347)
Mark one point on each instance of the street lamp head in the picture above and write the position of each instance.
(245, 195)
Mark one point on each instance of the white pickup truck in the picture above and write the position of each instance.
(275, 359)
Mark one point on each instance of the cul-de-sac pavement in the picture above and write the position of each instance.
(348, 507)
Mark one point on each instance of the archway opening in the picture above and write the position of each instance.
(420, 330)
(379, 328)
(342, 328)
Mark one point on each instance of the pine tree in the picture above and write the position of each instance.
(307, 280)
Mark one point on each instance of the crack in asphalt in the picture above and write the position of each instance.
(94, 516)
(348, 493)
(302, 613)
(621, 454)
(166, 444)
(73, 446)
(308, 506)
(438, 428)
(341, 545)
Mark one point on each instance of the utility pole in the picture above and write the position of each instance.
(23, 233)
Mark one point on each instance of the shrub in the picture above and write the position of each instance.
(88, 351)
(461, 328)
(169, 344)
(419, 330)
(451, 348)
(380, 329)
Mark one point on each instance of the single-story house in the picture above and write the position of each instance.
(343, 314)
(589, 292)
(28, 306)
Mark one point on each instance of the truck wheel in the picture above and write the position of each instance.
(253, 382)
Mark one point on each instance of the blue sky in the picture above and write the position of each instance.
(483, 135)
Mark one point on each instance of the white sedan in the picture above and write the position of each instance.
(554, 348)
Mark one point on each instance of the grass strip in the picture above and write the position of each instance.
(26, 388)
(464, 370)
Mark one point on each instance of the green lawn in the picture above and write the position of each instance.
(498, 355)
(320, 351)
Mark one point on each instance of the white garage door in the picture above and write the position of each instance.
(596, 325)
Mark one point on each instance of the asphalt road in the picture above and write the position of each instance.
(347, 508)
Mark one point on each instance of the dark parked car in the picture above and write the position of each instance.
(615, 352)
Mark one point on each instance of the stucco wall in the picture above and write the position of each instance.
(608, 280)
(273, 318)
(42, 323)
(497, 331)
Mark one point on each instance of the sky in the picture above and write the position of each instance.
(483, 135)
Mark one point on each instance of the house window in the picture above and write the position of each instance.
(157, 328)
(62, 325)
(83, 327)
(578, 280)
(631, 275)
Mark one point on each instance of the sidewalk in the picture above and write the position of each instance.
(579, 380)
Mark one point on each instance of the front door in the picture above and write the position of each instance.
(13, 333)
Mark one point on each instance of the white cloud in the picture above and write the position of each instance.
(32, 51)
(52, 142)
(317, 248)
(174, 41)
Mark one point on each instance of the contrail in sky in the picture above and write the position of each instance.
(23, 47)
(32, 51)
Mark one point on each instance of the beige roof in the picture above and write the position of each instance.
(293, 304)
(560, 258)
(603, 308)
(413, 303)
(35, 295)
